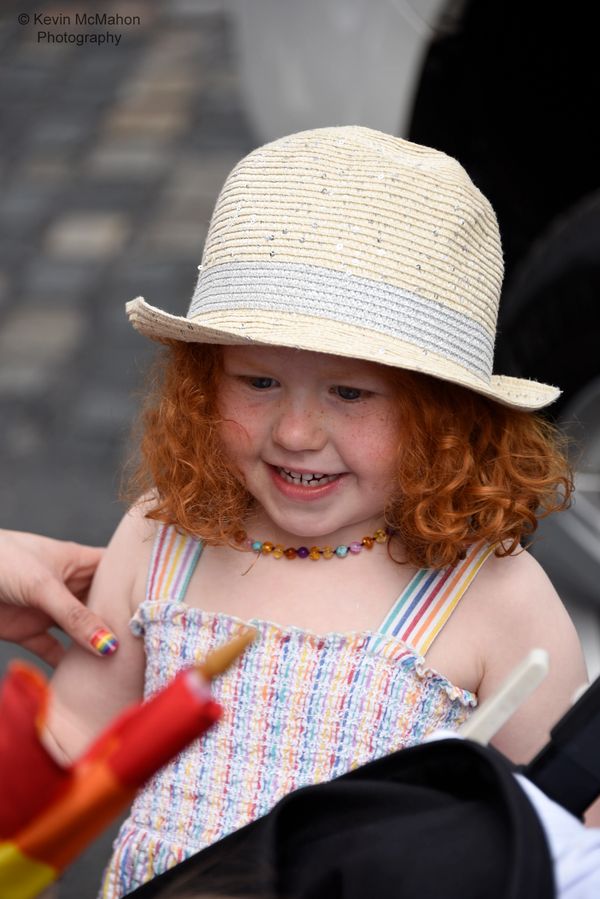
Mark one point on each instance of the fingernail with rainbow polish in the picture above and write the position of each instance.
(104, 642)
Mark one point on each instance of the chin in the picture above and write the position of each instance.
(303, 529)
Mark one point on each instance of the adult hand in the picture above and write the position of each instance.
(44, 582)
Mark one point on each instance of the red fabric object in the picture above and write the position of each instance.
(29, 777)
(50, 813)
(146, 737)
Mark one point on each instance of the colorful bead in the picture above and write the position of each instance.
(315, 552)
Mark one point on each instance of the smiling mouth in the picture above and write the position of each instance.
(313, 479)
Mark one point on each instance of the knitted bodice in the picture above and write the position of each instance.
(299, 707)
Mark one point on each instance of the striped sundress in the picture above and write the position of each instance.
(299, 707)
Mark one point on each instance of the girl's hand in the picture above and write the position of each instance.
(44, 582)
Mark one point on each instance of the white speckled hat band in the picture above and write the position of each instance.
(352, 242)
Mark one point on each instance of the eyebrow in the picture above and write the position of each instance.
(334, 372)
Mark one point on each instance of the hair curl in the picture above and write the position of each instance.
(471, 469)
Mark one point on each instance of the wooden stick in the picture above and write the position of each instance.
(220, 659)
(518, 686)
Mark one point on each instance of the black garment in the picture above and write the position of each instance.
(445, 820)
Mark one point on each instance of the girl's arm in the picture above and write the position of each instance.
(87, 692)
(520, 611)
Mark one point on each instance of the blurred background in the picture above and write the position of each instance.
(112, 155)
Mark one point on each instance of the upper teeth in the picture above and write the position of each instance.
(296, 477)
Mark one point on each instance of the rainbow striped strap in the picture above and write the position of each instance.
(174, 558)
(426, 604)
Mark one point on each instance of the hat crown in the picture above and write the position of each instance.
(356, 243)
(360, 203)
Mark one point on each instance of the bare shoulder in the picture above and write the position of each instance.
(516, 588)
(520, 565)
(135, 529)
(519, 610)
(128, 554)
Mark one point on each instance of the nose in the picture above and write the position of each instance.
(299, 425)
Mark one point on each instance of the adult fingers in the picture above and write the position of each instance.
(46, 647)
(81, 624)
(81, 561)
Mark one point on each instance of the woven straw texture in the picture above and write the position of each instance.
(349, 241)
(383, 209)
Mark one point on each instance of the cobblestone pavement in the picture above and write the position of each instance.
(111, 160)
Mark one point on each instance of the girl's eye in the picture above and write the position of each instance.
(261, 383)
(349, 393)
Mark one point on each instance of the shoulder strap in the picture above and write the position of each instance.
(426, 604)
(174, 557)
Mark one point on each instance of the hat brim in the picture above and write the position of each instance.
(306, 332)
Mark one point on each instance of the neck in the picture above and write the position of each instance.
(260, 527)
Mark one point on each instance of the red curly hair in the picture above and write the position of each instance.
(472, 470)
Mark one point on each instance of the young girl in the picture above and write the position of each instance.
(328, 456)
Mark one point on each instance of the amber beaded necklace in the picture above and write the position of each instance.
(277, 550)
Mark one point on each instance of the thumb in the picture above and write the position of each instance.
(88, 556)
(79, 622)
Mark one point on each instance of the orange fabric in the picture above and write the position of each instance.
(63, 830)
(48, 814)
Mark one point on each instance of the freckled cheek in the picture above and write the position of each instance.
(235, 438)
(389, 453)
(231, 413)
(374, 446)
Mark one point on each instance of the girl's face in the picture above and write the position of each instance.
(315, 437)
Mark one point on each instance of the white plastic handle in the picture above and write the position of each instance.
(518, 686)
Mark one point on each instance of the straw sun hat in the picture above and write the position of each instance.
(352, 242)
